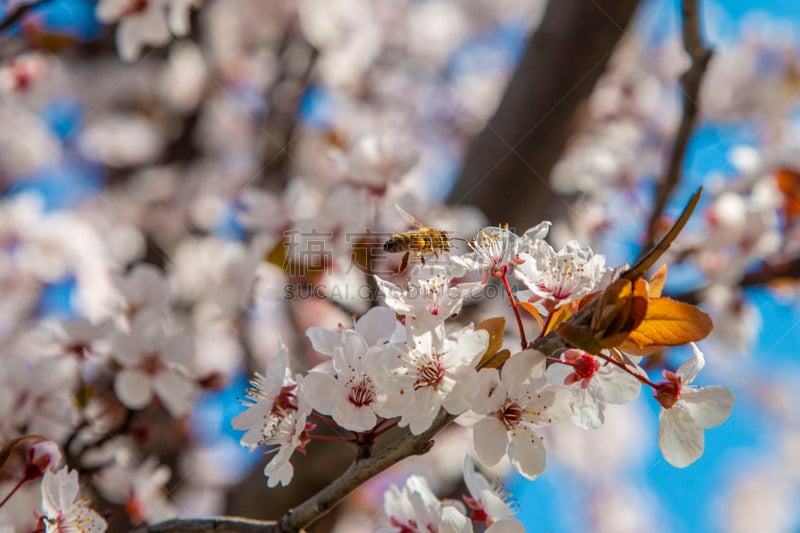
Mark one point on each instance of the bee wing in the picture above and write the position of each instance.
(408, 217)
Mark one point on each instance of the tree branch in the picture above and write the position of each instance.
(690, 86)
(522, 142)
(222, 524)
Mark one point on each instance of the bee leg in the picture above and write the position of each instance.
(422, 259)
(403, 263)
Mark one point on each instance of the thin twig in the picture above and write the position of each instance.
(690, 82)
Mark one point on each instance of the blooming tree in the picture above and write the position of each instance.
(198, 194)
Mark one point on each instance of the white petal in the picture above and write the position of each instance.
(527, 453)
(322, 340)
(377, 325)
(351, 347)
(617, 386)
(175, 391)
(59, 490)
(354, 418)
(469, 347)
(462, 395)
(491, 440)
(689, 370)
(491, 392)
(679, 438)
(709, 406)
(322, 391)
(454, 521)
(422, 410)
(393, 296)
(278, 472)
(523, 366)
(133, 388)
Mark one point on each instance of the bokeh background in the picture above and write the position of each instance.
(198, 154)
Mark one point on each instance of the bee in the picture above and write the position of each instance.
(421, 240)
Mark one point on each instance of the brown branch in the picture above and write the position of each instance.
(765, 274)
(359, 472)
(221, 525)
(690, 83)
(525, 138)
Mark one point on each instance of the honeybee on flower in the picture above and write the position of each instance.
(421, 240)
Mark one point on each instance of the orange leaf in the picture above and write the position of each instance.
(558, 316)
(671, 323)
(530, 308)
(496, 327)
(494, 361)
(620, 310)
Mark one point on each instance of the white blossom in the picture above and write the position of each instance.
(430, 372)
(515, 402)
(687, 411)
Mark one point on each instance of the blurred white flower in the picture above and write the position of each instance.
(121, 140)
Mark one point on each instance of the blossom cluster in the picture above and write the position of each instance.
(383, 372)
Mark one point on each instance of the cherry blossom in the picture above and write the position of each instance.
(350, 396)
(489, 504)
(147, 502)
(515, 401)
(687, 411)
(63, 512)
(562, 277)
(153, 363)
(431, 371)
(594, 383)
(430, 298)
(415, 509)
(275, 418)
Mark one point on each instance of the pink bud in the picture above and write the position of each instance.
(41, 456)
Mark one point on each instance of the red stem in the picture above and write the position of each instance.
(15, 489)
(623, 366)
(504, 277)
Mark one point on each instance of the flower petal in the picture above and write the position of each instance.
(377, 325)
(679, 438)
(709, 406)
(133, 388)
(490, 440)
(175, 391)
(527, 453)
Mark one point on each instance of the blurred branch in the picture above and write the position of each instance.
(17, 14)
(522, 142)
(690, 86)
(221, 524)
(765, 274)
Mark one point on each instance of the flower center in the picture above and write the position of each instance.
(361, 392)
(585, 366)
(510, 414)
(430, 374)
